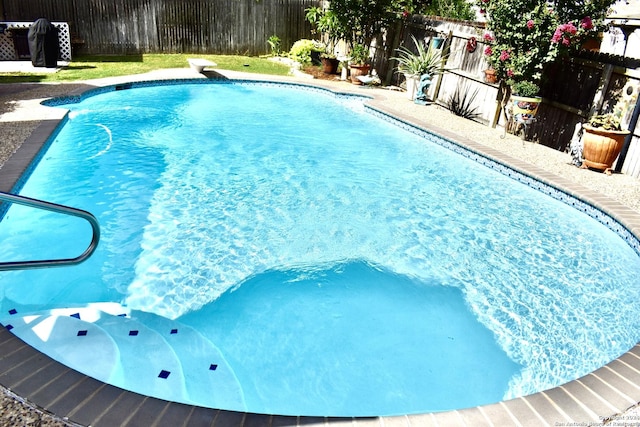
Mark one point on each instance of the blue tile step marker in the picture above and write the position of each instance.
(209, 379)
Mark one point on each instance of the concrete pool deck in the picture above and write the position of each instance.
(609, 393)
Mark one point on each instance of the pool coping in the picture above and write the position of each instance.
(596, 397)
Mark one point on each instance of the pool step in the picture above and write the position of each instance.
(104, 341)
(209, 378)
(155, 371)
(66, 339)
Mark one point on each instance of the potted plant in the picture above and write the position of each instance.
(325, 22)
(602, 141)
(329, 63)
(525, 100)
(426, 61)
(358, 64)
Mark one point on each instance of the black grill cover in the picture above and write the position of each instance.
(43, 44)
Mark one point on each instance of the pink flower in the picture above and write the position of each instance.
(530, 24)
(488, 51)
(586, 23)
(504, 55)
(566, 41)
(482, 11)
(557, 35)
(487, 37)
(509, 73)
(570, 28)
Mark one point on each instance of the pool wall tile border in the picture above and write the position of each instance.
(591, 400)
(74, 99)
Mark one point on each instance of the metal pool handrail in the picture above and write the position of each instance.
(66, 210)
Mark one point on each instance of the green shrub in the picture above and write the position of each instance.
(303, 50)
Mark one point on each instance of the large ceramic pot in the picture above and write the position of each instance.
(358, 70)
(525, 108)
(601, 147)
(330, 65)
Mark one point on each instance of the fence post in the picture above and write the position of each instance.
(445, 54)
(399, 30)
(500, 102)
(627, 141)
(598, 99)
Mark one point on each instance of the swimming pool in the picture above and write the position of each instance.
(461, 245)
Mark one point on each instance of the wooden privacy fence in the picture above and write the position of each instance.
(170, 26)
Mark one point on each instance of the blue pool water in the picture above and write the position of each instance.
(330, 262)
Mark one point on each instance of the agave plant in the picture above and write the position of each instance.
(461, 104)
(426, 60)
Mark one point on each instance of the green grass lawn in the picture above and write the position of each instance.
(94, 67)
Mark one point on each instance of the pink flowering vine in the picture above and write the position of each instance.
(522, 37)
(586, 23)
(563, 33)
(570, 28)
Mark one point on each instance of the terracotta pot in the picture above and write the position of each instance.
(358, 70)
(601, 147)
(490, 76)
(330, 65)
(592, 44)
(525, 108)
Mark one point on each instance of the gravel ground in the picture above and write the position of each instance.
(15, 127)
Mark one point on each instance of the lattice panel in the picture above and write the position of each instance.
(8, 52)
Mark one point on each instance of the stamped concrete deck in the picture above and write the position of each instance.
(599, 396)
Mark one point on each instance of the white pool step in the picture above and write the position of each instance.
(67, 340)
(105, 340)
(155, 371)
(210, 380)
